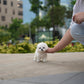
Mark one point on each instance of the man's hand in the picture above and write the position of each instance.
(78, 18)
(50, 50)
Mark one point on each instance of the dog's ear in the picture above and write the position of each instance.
(46, 46)
(37, 46)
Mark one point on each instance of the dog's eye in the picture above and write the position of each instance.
(40, 48)
(43, 47)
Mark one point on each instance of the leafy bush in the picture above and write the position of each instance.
(26, 47)
(76, 48)
(4, 36)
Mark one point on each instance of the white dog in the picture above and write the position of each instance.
(40, 54)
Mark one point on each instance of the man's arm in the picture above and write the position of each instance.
(66, 39)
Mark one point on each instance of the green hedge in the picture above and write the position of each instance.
(25, 47)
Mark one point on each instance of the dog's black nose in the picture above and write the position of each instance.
(41, 49)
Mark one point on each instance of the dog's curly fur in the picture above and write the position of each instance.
(40, 54)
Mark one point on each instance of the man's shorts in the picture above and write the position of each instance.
(77, 32)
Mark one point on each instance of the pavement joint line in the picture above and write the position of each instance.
(70, 78)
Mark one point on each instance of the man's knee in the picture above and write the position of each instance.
(75, 30)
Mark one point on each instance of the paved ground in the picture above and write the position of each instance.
(70, 78)
(14, 66)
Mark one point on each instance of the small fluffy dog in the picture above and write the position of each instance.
(40, 54)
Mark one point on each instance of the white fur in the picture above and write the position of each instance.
(40, 54)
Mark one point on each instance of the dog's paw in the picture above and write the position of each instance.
(38, 61)
(34, 59)
(44, 60)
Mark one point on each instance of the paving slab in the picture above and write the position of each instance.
(1, 81)
(14, 82)
(79, 79)
(69, 78)
(50, 79)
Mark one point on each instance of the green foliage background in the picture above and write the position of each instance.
(4, 35)
(25, 47)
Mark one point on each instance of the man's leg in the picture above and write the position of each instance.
(77, 32)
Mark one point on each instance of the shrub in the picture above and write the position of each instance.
(26, 47)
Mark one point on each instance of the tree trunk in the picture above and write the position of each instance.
(53, 33)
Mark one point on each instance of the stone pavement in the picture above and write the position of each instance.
(69, 78)
(61, 68)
